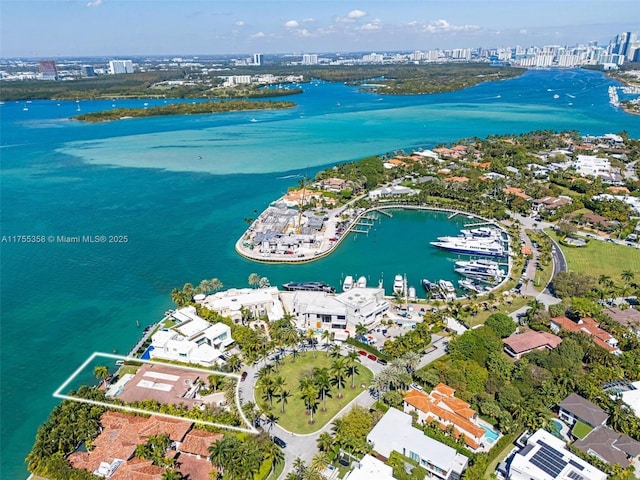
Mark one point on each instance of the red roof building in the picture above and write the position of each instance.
(520, 344)
(442, 407)
(589, 327)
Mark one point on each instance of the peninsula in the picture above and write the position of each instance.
(182, 109)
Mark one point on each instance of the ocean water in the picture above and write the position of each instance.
(180, 188)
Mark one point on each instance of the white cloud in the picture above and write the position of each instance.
(239, 23)
(444, 26)
(354, 14)
(292, 24)
(308, 20)
(376, 24)
(95, 3)
(524, 31)
(258, 35)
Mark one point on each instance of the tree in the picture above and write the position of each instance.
(320, 461)
(254, 280)
(353, 359)
(283, 397)
(171, 474)
(502, 324)
(338, 371)
(361, 329)
(322, 381)
(627, 275)
(215, 284)
(101, 372)
(324, 442)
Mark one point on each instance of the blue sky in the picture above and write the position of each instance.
(47, 28)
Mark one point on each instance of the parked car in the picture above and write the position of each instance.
(243, 376)
(371, 356)
(362, 352)
(278, 441)
(382, 361)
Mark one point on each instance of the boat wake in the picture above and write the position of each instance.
(290, 176)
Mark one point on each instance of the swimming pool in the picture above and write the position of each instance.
(146, 355)
(490, 434)
(556, 428)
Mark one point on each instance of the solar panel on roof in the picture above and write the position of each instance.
(575, 476)
(576, 464)
(549, 460)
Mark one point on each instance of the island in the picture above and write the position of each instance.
(182, 109)
(545, 366)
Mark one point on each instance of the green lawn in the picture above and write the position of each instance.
(580, 430)
(295, 418)
(601, 258)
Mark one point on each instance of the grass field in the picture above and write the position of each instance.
(581, 430)
(601, 258)
(295, 418)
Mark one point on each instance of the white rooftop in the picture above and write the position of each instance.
(632, 398)
(394, 432)
(192, 327)
(370, 468)
(545, 457)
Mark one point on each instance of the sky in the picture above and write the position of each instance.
(119, 28)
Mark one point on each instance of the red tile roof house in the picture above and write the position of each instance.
(442, 407)
(114, 447)
(589, 327)
(522, 343)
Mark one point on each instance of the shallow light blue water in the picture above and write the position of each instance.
(182, 214)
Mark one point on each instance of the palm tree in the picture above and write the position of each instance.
(338, 371)
(254, 280)
(324, 442)
(234, 363)
(204, 286)
(219, 452)
(320, 461)
(323, 382)
(326, 336)
(352, 366)
(283, 397)
(171, 474)
(264, 282)
(627, 275)
(101, 372)
(310, 397)
(361, 329)
(215, 284)
(274, 452)
(334, 351)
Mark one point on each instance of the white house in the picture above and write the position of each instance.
(191, 340)
(258, 301)
(394, 433)
(392, 191)
(545, 457)
(592, 165)
(342, 312)
(370, 468)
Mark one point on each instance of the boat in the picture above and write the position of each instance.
(470, 285)
(347, 284)
(479, 263)
(555, 95)
(447, 289)
(362, 282)
(485, 275)
(429, 286)
(308, 286)
(398, 284)
(472, 247)
(483, 234)
(412, 293)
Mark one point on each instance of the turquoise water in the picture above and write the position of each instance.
(490, 434)
(182, 214)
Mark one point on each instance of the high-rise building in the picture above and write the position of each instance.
(257, 59)
(120, 66)
(309, 59)
(47, 70)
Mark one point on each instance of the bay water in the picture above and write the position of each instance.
(180, 189)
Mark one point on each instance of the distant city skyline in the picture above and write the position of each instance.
(58, 28)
